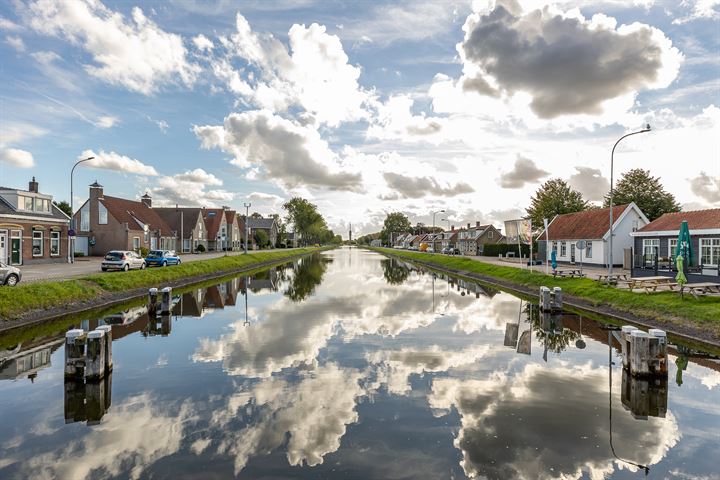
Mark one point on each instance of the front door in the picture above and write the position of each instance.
(153, 243)
(3, 247)
(15, 258)
(572, 253)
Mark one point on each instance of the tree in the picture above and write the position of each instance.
(395, 223)
(307, 221)
(637, 185)
(65, 207)
(255, 215)
(554, 197)
(261, 238)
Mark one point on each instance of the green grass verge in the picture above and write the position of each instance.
(25, 297)
(702, 312)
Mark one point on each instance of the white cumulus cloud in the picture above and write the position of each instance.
(117, 162)
(16, 158)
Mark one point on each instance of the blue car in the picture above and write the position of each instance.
(162, 258)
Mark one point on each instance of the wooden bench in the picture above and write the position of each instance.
(568, 273)
(702, 288)
(650, 284)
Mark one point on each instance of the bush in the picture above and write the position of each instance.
(200, 248)
(144, 252)
(495, 249)
(79, 254)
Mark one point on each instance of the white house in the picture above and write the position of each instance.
(593, 226)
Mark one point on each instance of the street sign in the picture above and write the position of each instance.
(581, 244)
(71, 233)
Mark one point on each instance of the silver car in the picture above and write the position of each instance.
(122, 260)
(9, 275)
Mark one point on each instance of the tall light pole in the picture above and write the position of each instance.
(439, 211)
(71, 249)
(612, 158)
(247, 219)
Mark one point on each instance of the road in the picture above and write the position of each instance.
(88, 265)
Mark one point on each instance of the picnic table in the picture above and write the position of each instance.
(702, 288)
(573, 272)
(613, 278)
(651, 283)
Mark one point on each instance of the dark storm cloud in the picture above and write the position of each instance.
(567, 65)
(418, 187)
(524, 171)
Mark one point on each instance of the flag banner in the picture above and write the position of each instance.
(518, 231)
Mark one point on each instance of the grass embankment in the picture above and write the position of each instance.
(703, 312)
(24, 298)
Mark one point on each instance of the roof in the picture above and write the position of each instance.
(213, 219)
(260, 223)
(585, 225)
(231, 216)
(175, 216)
(697, 220)
(135, 214)
(55, 213)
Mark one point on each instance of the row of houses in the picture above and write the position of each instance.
(34, 230)
(636, 240)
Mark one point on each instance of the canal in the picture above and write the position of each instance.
(351, 365)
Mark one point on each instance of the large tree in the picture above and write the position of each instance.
(554, 197)
(395, 223)
(307, 221)
(637, 185)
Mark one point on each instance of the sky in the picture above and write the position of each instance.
(365, 107)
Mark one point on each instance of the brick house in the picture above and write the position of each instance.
(32, 228)
(235, 234)
(449, 239)
(217, 228)
(112, 223)
(190, 224)
(470, 240)
(269, 225)
(662, 234)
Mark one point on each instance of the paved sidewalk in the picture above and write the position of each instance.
(89, 265)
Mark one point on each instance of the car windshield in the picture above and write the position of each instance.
(114, 256)
(155, 253)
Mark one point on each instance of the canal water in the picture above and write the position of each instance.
(351, 365)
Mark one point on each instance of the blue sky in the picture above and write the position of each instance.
(363, 107)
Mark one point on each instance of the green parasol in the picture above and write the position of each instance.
(684, 245)
(680, 277)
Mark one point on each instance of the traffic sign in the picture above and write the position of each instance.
(71, 233)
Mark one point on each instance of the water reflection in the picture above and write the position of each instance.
(353, 365)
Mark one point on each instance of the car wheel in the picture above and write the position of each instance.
(11, 280)
(164, 263)
(126, 267)
(104, 269)
(142, 266)
(178, 262)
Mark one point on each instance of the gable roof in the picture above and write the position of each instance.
(231, 217)
(261, 223)
(697, 220)
(188, 217)
(213, 220)
(135, 214)
(585, 225)
(55, 213)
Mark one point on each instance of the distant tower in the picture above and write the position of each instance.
(350, 234)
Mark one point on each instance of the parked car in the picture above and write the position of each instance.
(451, 251)
(122, 260)
(162, 258)
(9, 275)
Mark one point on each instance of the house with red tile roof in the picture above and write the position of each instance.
(661, 235)
(217, 228)
(190, 225)
(470, 240)
(105, 223)
(593, 226)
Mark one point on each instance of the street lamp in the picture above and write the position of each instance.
(71, 249)
(247, 219)
(439, 211)
(612, 155)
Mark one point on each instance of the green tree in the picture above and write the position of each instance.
(308, 274)
(255, 215)
(65, 207)
(395, 223)
(261, 238)
(637, 185)
(554, 197)
(337, 240)
(394, 272)
(307, 221)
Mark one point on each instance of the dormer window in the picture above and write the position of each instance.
(28, 203)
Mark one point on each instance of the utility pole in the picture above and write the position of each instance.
(247, 219)
(71, 242)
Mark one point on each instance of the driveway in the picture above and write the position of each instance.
(89, 265)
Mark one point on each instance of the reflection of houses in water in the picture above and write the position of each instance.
(644, 397)
(190, 303)
(28, 362)
(464, 286)
(214, 297)
(87, 401)
(267, 280)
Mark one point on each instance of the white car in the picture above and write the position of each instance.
(122, 260)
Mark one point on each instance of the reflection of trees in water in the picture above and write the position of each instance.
(549, 330)
(308, 274)
(394, 272)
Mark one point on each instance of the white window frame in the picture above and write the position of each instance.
(672, 244)
(712, 245)
(490, 234)
(32, 203)
(102, 214)
(85, 217)
(588, 249)
(554, 246)
(649, 245)
(42, 241)
(136, 243)
(563, 249)
(54, 240)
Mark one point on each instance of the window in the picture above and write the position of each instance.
(42, 205)
(54, 243)
(37, 243)
(136, 243)
(588, 250)
(28, 203)
(710, 251)
(85, 217)
(147, 234)
(490, 234)
(672, 244)
(563, 249)
(649, 246)
(554, 246)
(102, 214)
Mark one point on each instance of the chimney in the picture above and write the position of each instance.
(468, 226)
(146, 200)
(33, 186)
(452, 229)
(477, 224)
(96, 191)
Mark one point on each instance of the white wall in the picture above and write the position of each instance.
(597, 253)
(622, 238)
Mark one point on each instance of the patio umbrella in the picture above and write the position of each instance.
(680, 277)
(684, 245)
(553, 259)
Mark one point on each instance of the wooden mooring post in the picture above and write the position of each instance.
(152, 301)
(644, 353)
(551, 300)
(166, 301)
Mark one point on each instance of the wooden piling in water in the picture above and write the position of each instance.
(107, 329)
(95, 360)
(166, 301)
(152, 301)
(74, 353)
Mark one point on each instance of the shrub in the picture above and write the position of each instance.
(200, 248)
(79, 254)
(495, 249)
(144, 252)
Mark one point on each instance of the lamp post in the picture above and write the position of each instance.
(439, 211)
(71, 249)
(247, 219)
(612, 157)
